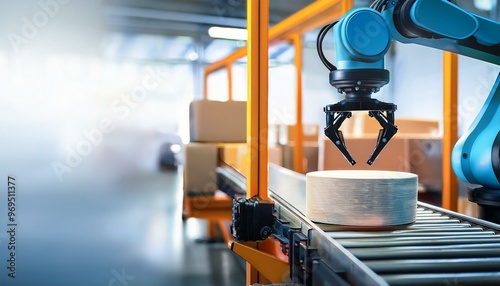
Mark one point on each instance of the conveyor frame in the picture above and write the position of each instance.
(330, 258)
(321, 254)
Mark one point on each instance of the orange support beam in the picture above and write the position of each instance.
(314, 15)
(236, 55)
(346, 6)
(450, 136)
(225, 229)
(273, 268)
(257, 108)
(205, 85)
(229, 70)
(298, 151)
(208, 207)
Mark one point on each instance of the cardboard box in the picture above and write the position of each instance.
(236, 156)
(217, 121)
(275, 154)
(394, 156)
(426, 160)
(285, 133)
(467, 207)
(362, 125)
(199, 169)
(310, 152)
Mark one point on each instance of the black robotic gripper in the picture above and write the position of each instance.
(357, 86)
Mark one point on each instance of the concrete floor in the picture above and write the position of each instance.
(110, 225)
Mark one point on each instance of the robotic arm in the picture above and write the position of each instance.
(362, 38)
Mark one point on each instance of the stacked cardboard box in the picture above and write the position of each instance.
(217, 121)
(286, 142)
(212, 124)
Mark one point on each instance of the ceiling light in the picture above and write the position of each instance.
(485, 5)
(228, 33)
(192, 56)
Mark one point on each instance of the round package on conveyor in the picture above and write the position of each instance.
(367, 199)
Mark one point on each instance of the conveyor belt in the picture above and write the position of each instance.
(440, 248)
(436, 249)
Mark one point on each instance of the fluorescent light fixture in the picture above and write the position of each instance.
(485, 5)
(228, 33)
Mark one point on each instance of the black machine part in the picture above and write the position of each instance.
(488, 202)
(359, 82)
(495, 156)
(252, 219)
(404, 23)
(381, 111)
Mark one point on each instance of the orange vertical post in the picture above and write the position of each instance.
(229, 69)
(205, 85)
(450, 135)
(257, 108)
(346, 6)
(298, 151)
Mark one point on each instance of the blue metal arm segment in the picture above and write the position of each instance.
(444, 19)
(445, 26)
(476, 156)
(362, 38)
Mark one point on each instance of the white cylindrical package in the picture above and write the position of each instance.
(361, 198)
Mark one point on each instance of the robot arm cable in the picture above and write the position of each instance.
(319, 46)
(379, 5)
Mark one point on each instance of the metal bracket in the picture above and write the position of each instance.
(333, 123)
(271, 267)
(385, 134)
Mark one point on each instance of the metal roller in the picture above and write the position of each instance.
(435, 265)
(445, 279)
(440, 251)
(416, 233)
(410, 241)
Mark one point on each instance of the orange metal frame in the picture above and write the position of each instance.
(257, 110)
(298, 151)
(271, 267)
(259, 38)
(312, 16)
(208, 207)
(257, 103)
(450, 136)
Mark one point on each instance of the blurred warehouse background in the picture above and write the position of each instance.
(93, 91)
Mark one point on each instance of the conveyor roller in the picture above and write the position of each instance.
(436, 249)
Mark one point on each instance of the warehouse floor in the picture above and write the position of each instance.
(124, 232)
